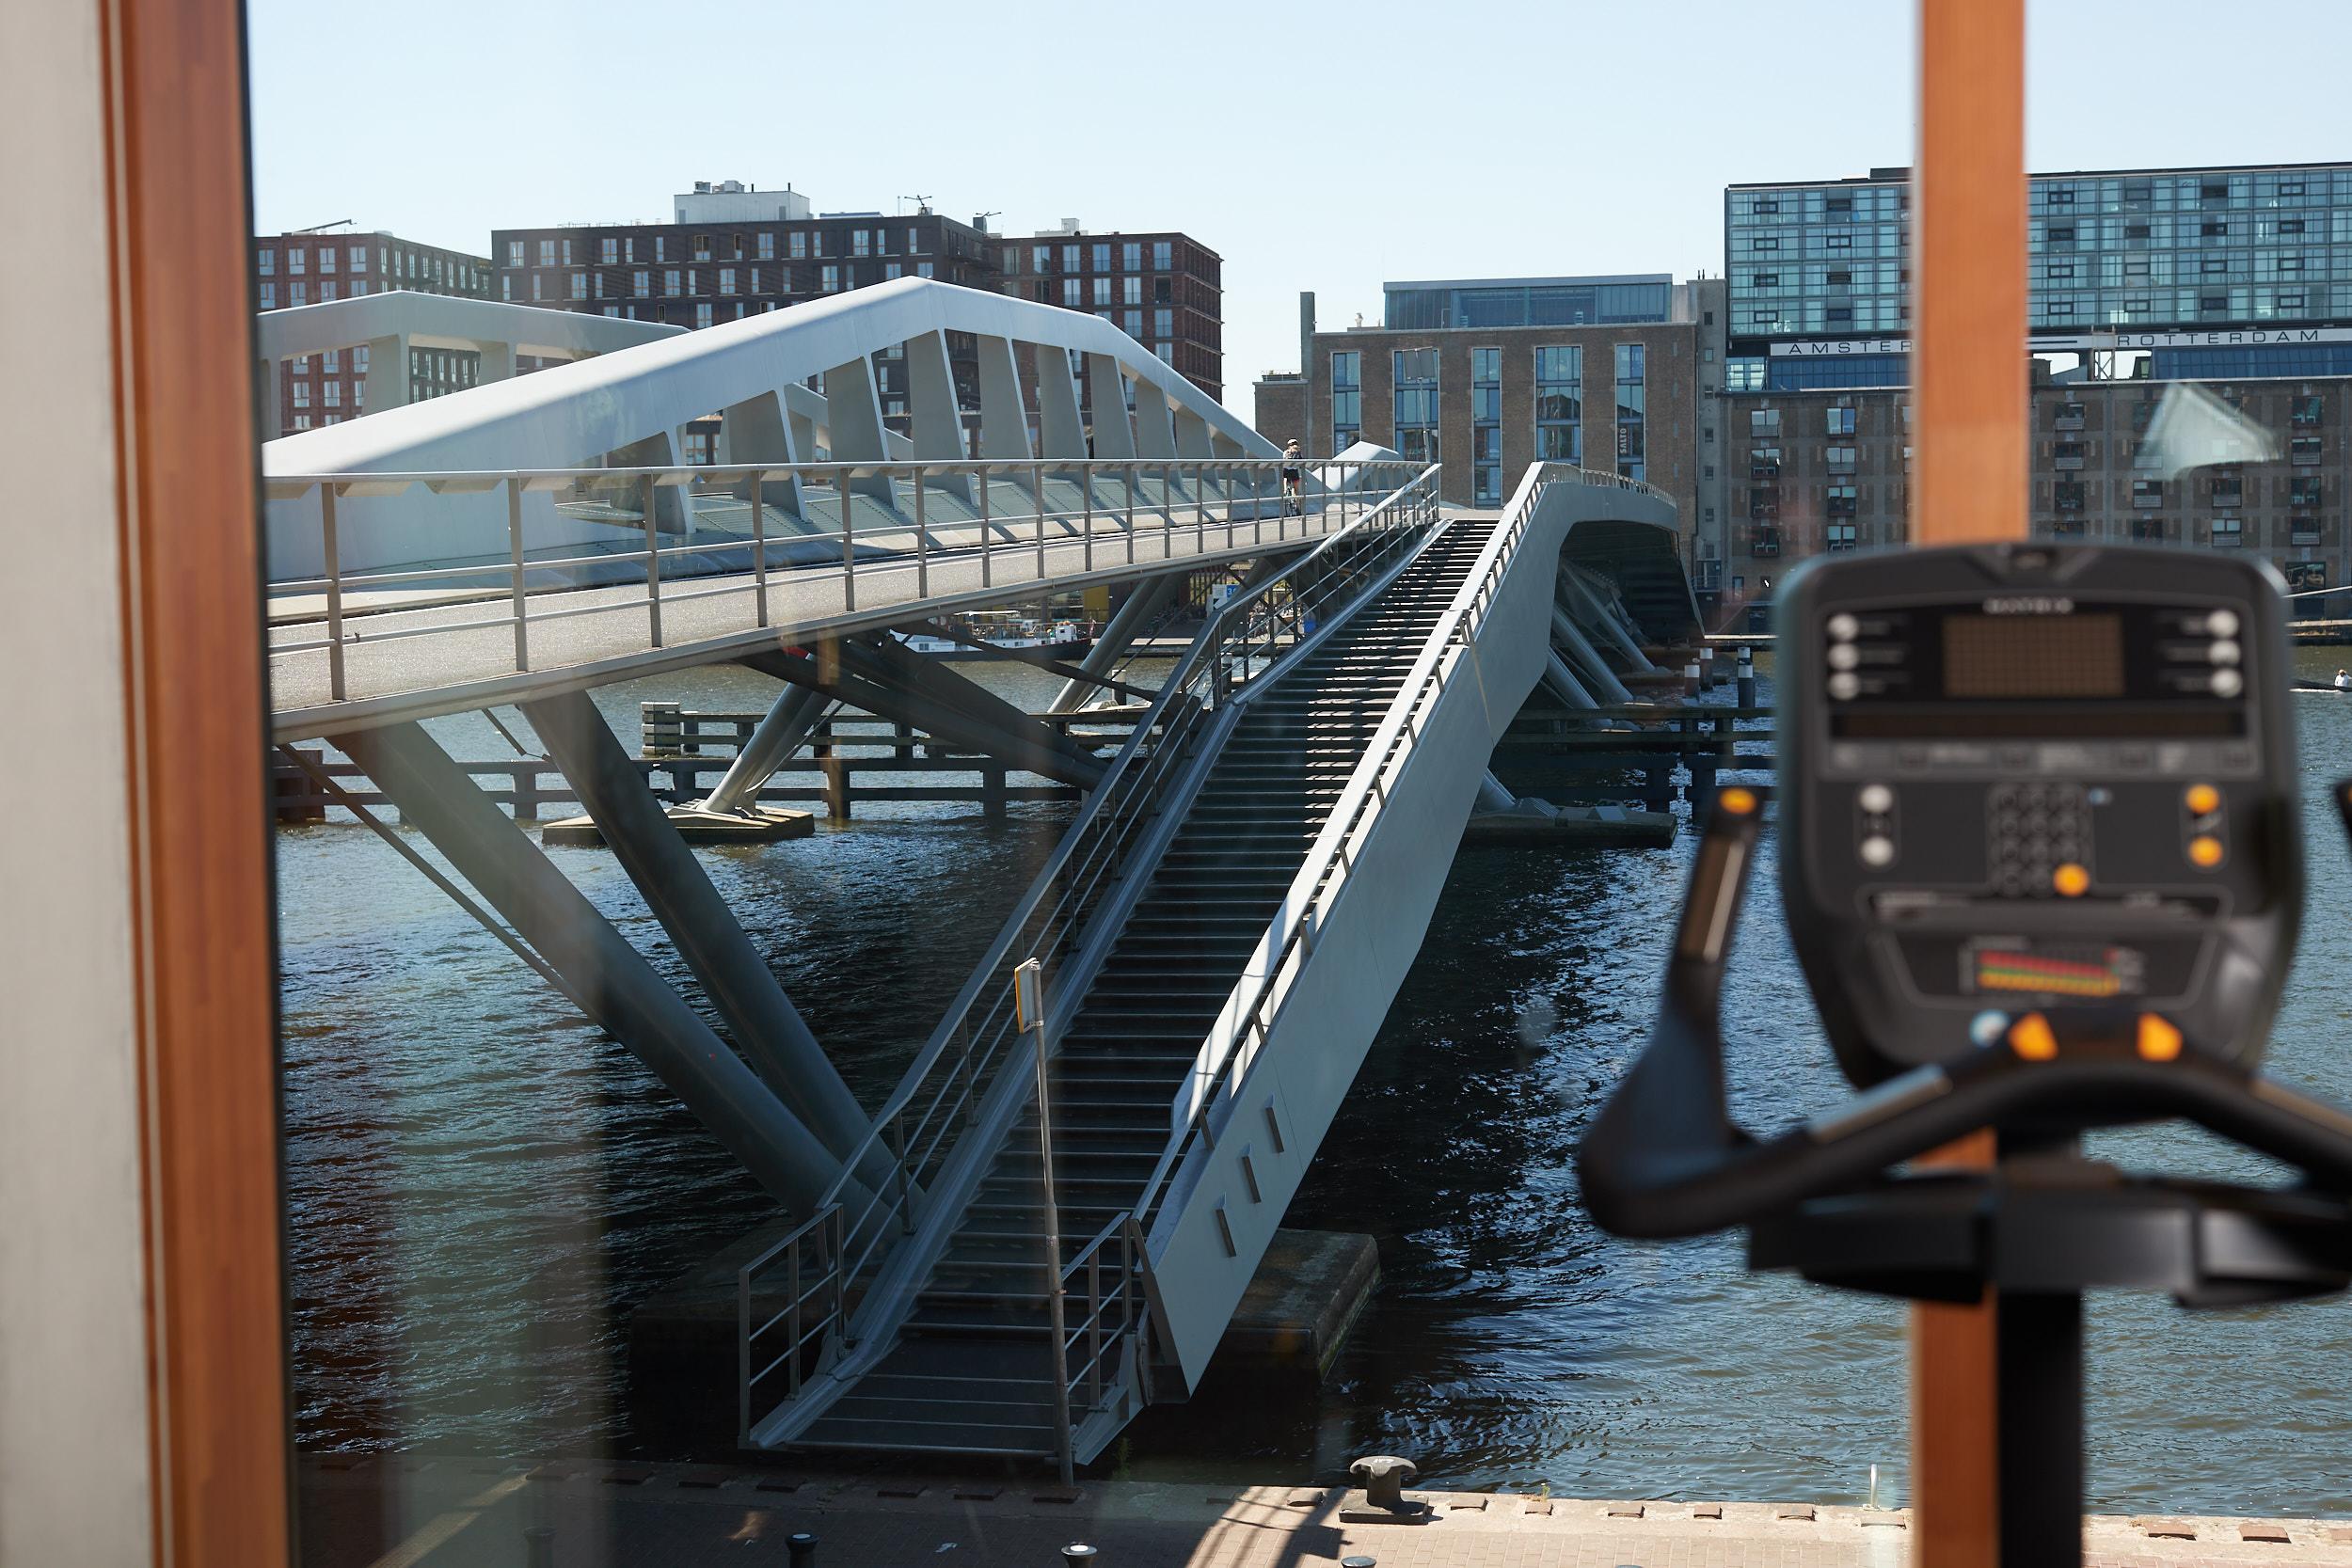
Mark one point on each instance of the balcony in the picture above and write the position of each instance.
(2070, 417)
(1764, 542)
(2306, 531)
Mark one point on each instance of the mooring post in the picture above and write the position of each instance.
(1746, 677)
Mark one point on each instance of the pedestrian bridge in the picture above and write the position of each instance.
(1049, 1221)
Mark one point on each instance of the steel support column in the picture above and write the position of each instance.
(1028, 745)
(779, 733)
(617, 988)
(1143, 605)
(767, 1029)
(1570, 638)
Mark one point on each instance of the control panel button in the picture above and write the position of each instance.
(2202, 800)
(1844, 627)
(2032, 1038)
(2070, 880)
(1877, 850)
(2205, 851)
(2158, 1040)
(2222, 623)
(1844, 685)
(2228, 683)
(1877, 799)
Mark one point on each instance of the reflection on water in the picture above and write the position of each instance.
(482, 1186)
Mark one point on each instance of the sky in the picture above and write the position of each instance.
(1313, 147)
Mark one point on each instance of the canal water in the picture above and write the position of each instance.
(480, 1186)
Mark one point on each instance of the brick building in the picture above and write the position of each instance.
(318, 268)
(1828, 469)
(735, 252)
(1632, 395)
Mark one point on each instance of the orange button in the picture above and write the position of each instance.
(1740, 802)
(2070, 880)
(2158, 1040)
(2032, 1039)
(2205, 850)
(2203, 799)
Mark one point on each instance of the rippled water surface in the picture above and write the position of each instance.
(482, 1185)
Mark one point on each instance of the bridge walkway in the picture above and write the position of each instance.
(414, 660)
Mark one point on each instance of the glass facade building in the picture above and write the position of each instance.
(1530, 302)
(1486, 426)
(2136, 251)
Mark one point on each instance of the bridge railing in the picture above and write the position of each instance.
(1110, 513)
(920, 1128)
(1219, 1072)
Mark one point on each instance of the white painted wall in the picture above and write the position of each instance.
(73, 1408)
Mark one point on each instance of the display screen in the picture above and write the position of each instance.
(2003, 656)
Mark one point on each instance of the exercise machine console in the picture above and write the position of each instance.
(2040, 860)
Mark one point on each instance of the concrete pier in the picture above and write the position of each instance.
(358, 1510)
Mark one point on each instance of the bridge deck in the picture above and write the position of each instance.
(444, 657)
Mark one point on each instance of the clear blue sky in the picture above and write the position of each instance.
(1313, 147)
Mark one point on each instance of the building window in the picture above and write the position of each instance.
(579, 285)
(269, 296)
(2228, 533)
(1132, 323)
(640, 283)
(1070, 258)
(297, 260)
(265, 263)
(1131, 256)
(1485, 426)
(1131, 290)
(1415, 371)
(1840, 501)
(702, 315)
(796, 244)
(1164, 324)
(609, 250)
(302, 394)
(331, 394)
(1347, 399)
(1841, 421)
(297, 293)
(2305, 491)
(893, 269)
(1560, 403)
(670, 284)
(327, 258)
(860, 243)
(1764, 421)
(2068, 495)
(2148, 530)
(546, 253)
(1102, 258)
(726, 280)
(1840, 536)
(923, 269)
(2303, 448)
(2147, 492)
(1161, 254)
(829, 278)
(1632, 400)
(2227, 490)
(1073, 294)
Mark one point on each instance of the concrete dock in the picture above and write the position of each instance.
(409, 1512)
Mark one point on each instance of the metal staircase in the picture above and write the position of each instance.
(973, 1369)
(1214, 941)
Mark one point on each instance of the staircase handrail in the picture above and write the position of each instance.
(981, 1015)
(1221, 1067)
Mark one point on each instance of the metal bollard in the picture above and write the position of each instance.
(1691, 679)
(539, 1546)
(1746, 677)
(802, 1545)
(1707, 667)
